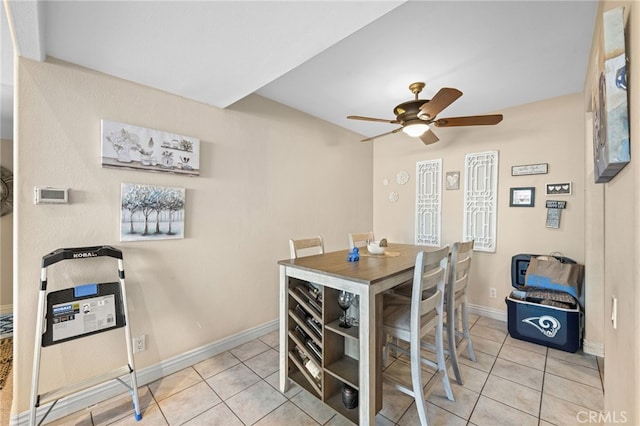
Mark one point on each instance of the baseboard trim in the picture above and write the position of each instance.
(6, 309)
(488, 312)
(89, 397)
(593, 348)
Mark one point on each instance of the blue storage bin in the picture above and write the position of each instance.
(550, 326)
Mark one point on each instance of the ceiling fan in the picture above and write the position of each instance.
(415, 116)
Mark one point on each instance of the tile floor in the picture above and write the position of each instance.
(512, 383)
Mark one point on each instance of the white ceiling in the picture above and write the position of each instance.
(327, 58)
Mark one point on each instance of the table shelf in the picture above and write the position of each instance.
(351, 332)
(346, 370)
(335, 401)
(335, 366)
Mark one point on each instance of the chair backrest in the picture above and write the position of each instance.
(459, 267)
(429, 280)
(306, 247)
(359, 239)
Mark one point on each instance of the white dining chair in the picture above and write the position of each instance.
(456, 305)
(411, 322)
(456, 323)
(359, 239)
(306, 247)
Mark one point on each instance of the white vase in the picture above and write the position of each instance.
(124, 155)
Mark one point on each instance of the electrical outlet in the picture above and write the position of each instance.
(140, 343)
(492, 293)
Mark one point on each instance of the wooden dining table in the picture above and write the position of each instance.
(368, 278)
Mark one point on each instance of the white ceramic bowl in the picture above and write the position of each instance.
(374, 247)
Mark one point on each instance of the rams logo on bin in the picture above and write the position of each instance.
(547, 324)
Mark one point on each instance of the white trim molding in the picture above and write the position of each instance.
(6, 309)
(593, 348)
(488, 312)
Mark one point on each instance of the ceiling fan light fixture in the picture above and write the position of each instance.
(415, 128)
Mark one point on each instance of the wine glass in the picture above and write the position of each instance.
(344, 300)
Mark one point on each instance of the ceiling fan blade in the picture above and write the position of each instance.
(440, 101)
(381, 120)
(473, 120)
(384, 134)
(429, 137)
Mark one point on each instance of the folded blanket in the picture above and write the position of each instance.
(555, 298)
(556, 304)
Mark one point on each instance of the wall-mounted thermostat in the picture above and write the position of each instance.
(48, 195)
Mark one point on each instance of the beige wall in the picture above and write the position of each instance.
(268, 173)
(550, 131)
(6, 237)
(615, 248)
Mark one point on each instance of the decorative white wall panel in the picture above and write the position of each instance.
(481, 200)
(428, 202)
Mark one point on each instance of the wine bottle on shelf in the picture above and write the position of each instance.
(313, 370)
(315, 326)
(313, 290)
(315, 350)
(303, 357)
(303, 334)
(302, 312)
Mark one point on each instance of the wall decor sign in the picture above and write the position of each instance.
(133, 147)
(530, 169)
(452, 180)
(522, 197)
(554, 210)
(609, 102)
(149, 212)
(559, 188)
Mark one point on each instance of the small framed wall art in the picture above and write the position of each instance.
(559, 188)
(452, 180)
(522, 197)
(150, 212)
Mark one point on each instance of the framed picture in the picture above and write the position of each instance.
(134, 147)
(150, 212)
(452, 180)
(563, 188)
(611, 149)
(522, 197)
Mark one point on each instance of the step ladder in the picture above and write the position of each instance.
(77, 312)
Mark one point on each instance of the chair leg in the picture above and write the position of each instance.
(453, 350)
(385, 351)
(465, 330)
(442, 364)
(416, 380)
(394, 346)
